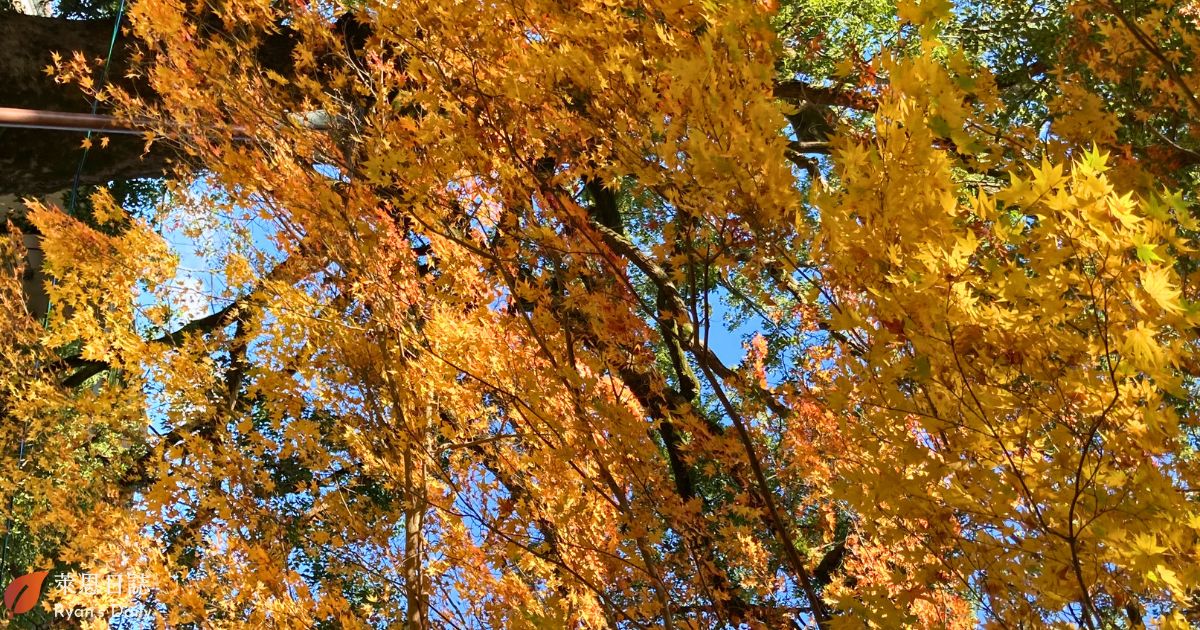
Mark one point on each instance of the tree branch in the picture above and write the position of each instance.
(830, 96)
(215, 321)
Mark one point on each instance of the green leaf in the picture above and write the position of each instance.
(1146, 253)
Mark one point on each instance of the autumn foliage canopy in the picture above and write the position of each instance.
(612, 314)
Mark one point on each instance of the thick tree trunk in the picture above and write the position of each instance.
(36, 162)
(415, 596)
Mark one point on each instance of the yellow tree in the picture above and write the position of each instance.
(462, 368)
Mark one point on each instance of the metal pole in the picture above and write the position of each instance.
(64, 121)
(18, 118)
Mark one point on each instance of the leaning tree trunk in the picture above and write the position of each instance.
(42, 164)
(36, 162)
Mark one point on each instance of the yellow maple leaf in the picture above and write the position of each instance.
(1156, 282)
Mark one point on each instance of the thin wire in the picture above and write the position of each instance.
(11, 502)
(8, 526)
(87, 144)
